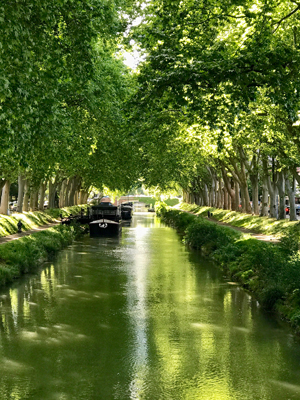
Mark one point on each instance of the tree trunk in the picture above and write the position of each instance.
(62, 194)
(237, 196)
(272, 187)
(240, 175)
(67, 192)
(265, 197)
(291, 188)
(42, 195)
(225, 207)
(229, 186)
(281, 191)
(52, 192)
(254, 184)
(33, 199)
(21, 185)
(26, 196)
(5, 198)
(205, 196)
(75, 185)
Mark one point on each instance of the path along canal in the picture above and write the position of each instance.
(140, 317)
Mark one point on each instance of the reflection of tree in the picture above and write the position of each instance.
(202, 339)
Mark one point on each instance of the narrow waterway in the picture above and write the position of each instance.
(140, 317)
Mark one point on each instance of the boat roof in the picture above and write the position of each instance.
(104, 206)
(105, 221)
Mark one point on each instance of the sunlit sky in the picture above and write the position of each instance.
(132, 59)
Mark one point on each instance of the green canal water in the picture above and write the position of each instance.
(140, 317)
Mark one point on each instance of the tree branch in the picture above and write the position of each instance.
(286, 17)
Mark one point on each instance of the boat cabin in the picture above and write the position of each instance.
(106, 211)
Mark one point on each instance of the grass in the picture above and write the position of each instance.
(153, 200)
(31, 220)
(264, 225)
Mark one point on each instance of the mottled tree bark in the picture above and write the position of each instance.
(5, 198)
(21, 186)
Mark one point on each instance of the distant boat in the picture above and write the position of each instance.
(126, 211)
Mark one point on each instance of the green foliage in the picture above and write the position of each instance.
(202, 234)
(152, 200)
(161, 208)
(178, 219)
(27, 253)
(65, 212)
(289, 242)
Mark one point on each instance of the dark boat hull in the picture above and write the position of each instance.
(104, 227)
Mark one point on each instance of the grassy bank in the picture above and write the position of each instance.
(31, 220)
(270, 271)
(27, 253)
(264, 225)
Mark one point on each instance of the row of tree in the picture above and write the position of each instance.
(214, 107)
(217, 110)
(62, 95)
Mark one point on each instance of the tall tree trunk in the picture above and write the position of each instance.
(291, 188)
(21, 186)
(240, 176)
(219, 193)
(85, 197)
(254, 184)
(26, 196)
(67, 192)
(42, 195)
(52, 192)
(205, 195)
(281, 191)
(81, 196)
(229, 185)
(62, 194)
(35, 199)
(225, 199)
(265, 198)
(237, 196)
(5, 198)
(272, 188)
(75, 185)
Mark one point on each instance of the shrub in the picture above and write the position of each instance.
(202, 233)
(270, 296)
(27, 253)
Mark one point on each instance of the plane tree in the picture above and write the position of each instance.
(211, 62)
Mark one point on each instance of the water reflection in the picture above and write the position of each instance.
(140, 317)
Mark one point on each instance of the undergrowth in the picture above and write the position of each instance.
(28, 252)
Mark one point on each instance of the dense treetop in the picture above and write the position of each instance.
(213, 106)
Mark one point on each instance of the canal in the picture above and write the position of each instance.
(140, 317)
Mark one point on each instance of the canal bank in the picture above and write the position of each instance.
(140, 317)
(41, 237)
(269, 270)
